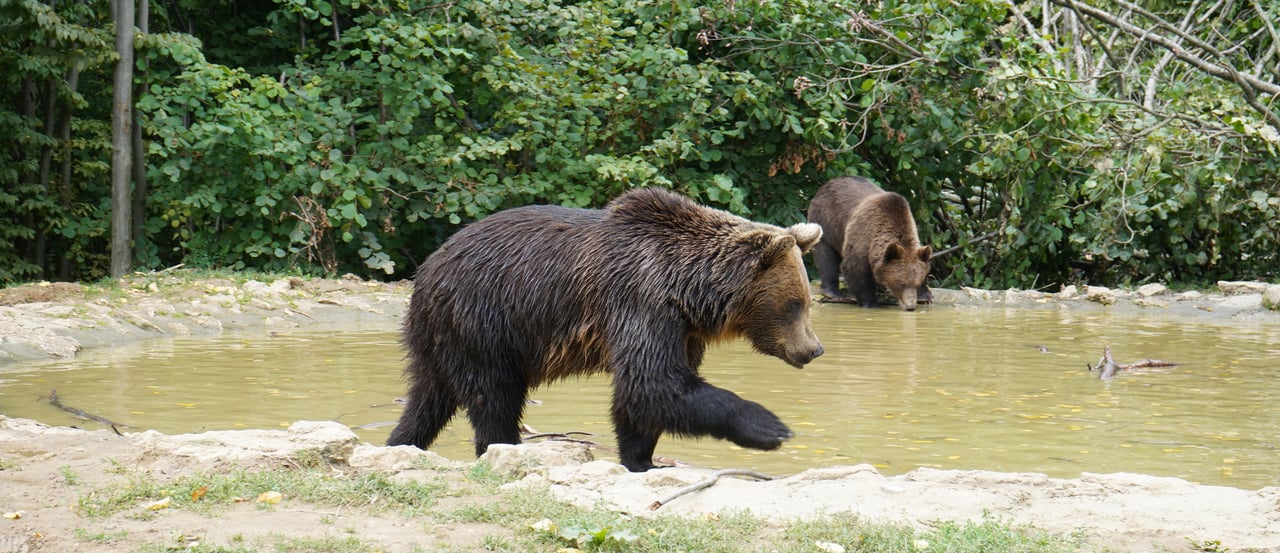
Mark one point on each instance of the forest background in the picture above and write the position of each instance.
(1039, 142)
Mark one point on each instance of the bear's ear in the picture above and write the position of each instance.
(806, 235)
(894, 252)
(777, 246)
(925, 252)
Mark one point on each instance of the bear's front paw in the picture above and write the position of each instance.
(758, 428)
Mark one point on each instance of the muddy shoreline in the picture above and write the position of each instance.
(1125, 512)
(58, 320)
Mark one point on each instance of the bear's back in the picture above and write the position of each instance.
(832, 207)
(884, 218)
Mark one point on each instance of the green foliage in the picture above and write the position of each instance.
(48, 212)
(355, 136)
(589, 538)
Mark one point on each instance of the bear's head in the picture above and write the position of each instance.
(903, 271)
(772, 312)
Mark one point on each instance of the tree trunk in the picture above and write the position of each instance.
(121, 150)
(46, 174)
(139, 208)
(65, 193)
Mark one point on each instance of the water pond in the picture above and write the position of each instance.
(962, 387)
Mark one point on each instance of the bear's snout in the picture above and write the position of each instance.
(801, 357)
(816, 352)
(907, 300)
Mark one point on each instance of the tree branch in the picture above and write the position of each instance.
(1249, 84)
(859, 20)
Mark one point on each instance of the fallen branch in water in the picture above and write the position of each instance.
(82, 414)
(707, 483)
(1107, 366)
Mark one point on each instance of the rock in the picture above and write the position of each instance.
(1271, 298)
(520, 460)
(241, 447)
(1100, 294)
(1145, 302)
(591, 471)
(392, 458)
(1241, 302)
(1190, 295)
(58, 310)
(283, 285)
(257, 288)
(1154, 289)
(1068, 292)
(1234, 287)
(978, 293)
(1016, 296)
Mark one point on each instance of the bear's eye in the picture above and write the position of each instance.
(794, 307)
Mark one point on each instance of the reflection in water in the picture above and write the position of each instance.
(947, 387)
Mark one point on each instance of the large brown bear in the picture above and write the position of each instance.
(869, 237)
(637, 289)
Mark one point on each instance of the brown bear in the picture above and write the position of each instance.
(869, 237)
(637, 289)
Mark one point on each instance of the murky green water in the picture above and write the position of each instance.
(944, 387)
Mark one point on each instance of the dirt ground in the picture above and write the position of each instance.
(44, 471)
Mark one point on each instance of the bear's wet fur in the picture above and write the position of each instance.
(637, 289)
(868, 237)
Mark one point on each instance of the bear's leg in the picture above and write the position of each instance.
(495, 413)
(861, 282)
(431, 406)
(722, 414)
(642, 414)
(828, 262)
(635, 447)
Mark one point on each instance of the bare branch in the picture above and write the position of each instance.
(1035, 35)
(1261, 63)
(1149, 98)
(1249, 84)
(859, 20)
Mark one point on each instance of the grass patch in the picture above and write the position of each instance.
(104, 537)
(204, 492)
(69, 475)
(530, 519)
(540, 523)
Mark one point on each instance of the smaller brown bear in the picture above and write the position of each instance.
(869, 237)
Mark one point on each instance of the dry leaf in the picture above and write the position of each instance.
(161, 504)
(199, 493)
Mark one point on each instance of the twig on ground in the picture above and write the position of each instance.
(707, 483)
